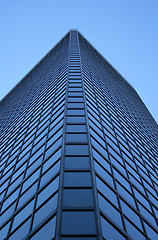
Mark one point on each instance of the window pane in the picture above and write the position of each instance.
(76, 138)
(109, 232)
(78, 197)
(77, 179)
(76, 128)
(47, 230)
(77, 162)
(45, 210)
(76, 150)
(78, 223)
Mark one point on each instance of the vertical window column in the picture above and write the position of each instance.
(78, 215)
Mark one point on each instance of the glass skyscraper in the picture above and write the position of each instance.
(78, 152)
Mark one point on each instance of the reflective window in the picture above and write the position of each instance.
(74, 120)
(77, 197)
(78, 223)
(47, 230)
(109, 232)
(76, 138)
(26, 211)
(77, 179)
(110, 211)
(133, 231)
(77, 162)
(76, 150)
(76, 128)
(45, 210)
(22, 231)
(47, 191)
(104, 189)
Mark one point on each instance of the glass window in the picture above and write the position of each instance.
(26, 211)
(76, 138)
(77, 162)
(74, 120)
(123, 192)
(53, 147)
(34, 166)
(76, 150)
(10, 199)
(109, 232)
(55, 129)
(110, 211)
(77, 179)
(122, 180)
(37, 154)
(146, 214)
(150, 232)
(50, 161)
(7, 213)
(21, 232)
(75, 105)
(16, 183)
(133, 231)
(131, 214)
(47, 191)
(101, 159)
(77, 89)
(106, 191)
(27, 194)
(75, 94)
(72, 99)
(47, 230)
(4, 231)
(30, 180)
(54, 137)
(98, 147)
(118, 165)
(76, 128)
(78, 112)
(50, 173)
(78, 198)
(78, 223)
(104, 174)
(45, 210)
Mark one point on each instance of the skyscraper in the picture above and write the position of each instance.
(78, 152)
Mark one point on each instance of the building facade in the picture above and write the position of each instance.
(78, 152)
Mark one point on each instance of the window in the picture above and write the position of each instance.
(77, 162)
(76, 128)
(110, 211)
(26, 211)
(76, 138)
(45, 210)
(78, 223)
(109, 232)
(77, 198)
(47, 230)
(47, 191)
(76, 150)
(77, 179)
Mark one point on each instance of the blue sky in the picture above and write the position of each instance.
(125, 32)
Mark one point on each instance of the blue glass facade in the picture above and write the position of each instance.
(79, 152)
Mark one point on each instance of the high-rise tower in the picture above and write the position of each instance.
(78, 152)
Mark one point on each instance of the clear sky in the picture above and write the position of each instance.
(125, 32)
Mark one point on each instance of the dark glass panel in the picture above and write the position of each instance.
(77, 162)
(76, 150)
(110, 232)
(77, 197)
(46, 232)
(81, 223)
(77, 179)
